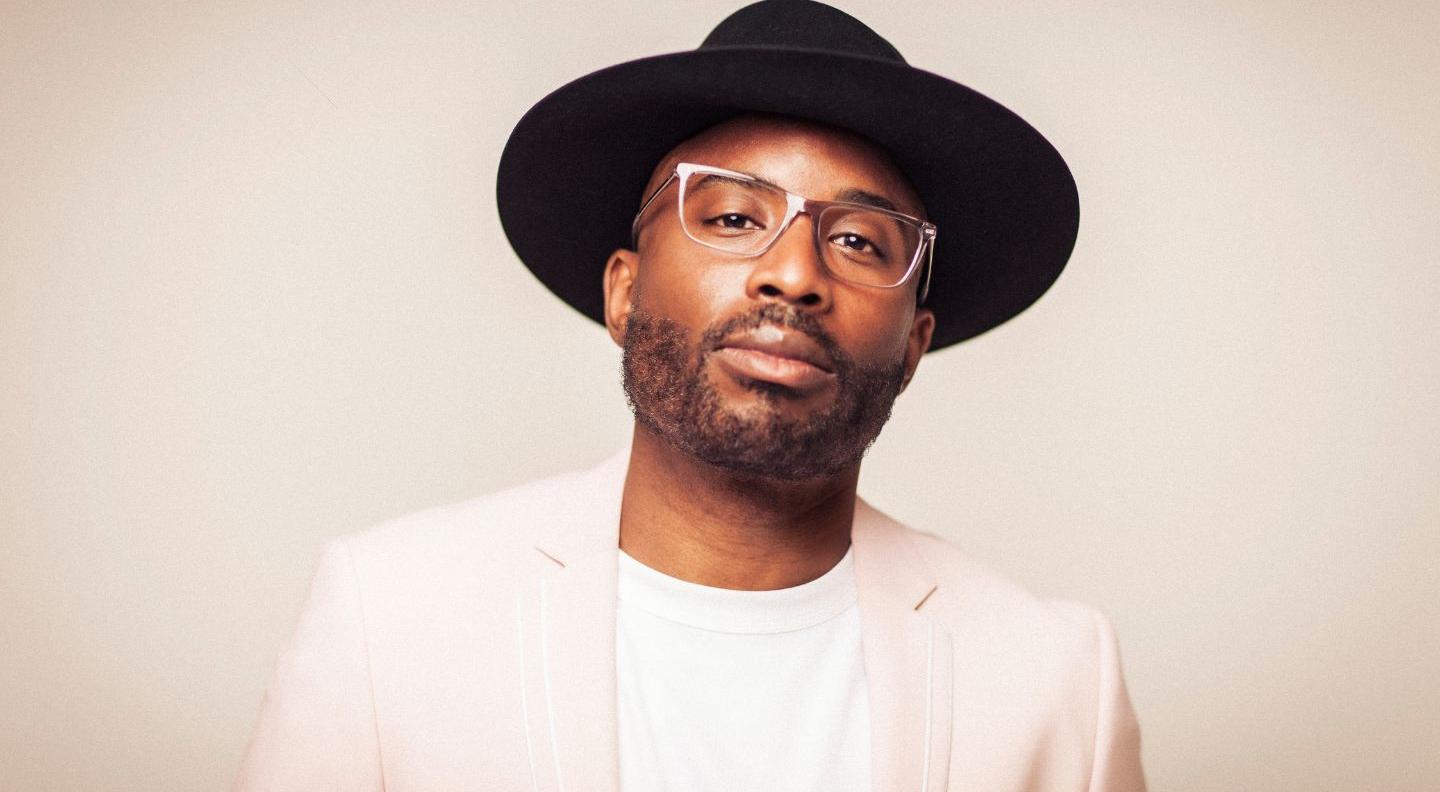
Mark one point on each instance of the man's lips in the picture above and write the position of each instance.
(775, 354)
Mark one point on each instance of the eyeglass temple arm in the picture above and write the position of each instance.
(635, 224)
(929, 267)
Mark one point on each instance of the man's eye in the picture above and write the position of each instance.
(734, 220)
(855, 243)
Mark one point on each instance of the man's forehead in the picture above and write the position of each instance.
(798, 155)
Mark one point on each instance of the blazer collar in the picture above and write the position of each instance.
(584, 517)
(567, 624)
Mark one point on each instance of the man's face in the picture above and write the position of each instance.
(766, 365)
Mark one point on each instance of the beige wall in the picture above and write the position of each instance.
(253, 294)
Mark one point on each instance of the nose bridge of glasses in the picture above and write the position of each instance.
(795, 205)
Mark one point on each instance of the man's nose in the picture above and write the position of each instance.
(791, 270)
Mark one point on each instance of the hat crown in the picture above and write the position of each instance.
(800, 24)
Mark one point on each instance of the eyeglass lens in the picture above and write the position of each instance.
(740, 216)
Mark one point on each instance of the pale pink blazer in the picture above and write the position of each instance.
(472, 647)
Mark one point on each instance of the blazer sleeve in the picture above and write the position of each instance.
(1116, 766)
(317, 728)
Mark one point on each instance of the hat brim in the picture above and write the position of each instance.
(1003, 201)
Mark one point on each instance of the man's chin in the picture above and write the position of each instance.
(757, 440)
(768, 463)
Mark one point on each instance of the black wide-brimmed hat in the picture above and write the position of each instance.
(1000, 196)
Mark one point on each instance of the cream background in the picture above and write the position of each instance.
(254, 294)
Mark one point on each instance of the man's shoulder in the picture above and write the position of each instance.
(977, 604)
(494, 529)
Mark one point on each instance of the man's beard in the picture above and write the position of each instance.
(671, 395)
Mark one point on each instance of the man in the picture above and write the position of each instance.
(714, 608)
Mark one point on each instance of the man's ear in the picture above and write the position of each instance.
(921, 330)
(620, 272)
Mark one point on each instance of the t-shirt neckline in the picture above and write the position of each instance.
(735, 611)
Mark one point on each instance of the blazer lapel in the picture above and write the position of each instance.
(908, 658)
(567, 631)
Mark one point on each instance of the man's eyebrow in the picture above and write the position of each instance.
(707, 178)
(856, 195)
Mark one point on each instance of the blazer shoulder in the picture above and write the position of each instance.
(494, 530)
(1052, 667)
(970, 597)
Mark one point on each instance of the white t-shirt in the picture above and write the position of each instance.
(740, 691)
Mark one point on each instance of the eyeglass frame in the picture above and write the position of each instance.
(796, 204)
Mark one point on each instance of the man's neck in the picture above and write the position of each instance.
(700, 523)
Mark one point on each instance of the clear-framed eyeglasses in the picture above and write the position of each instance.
(744, 215)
